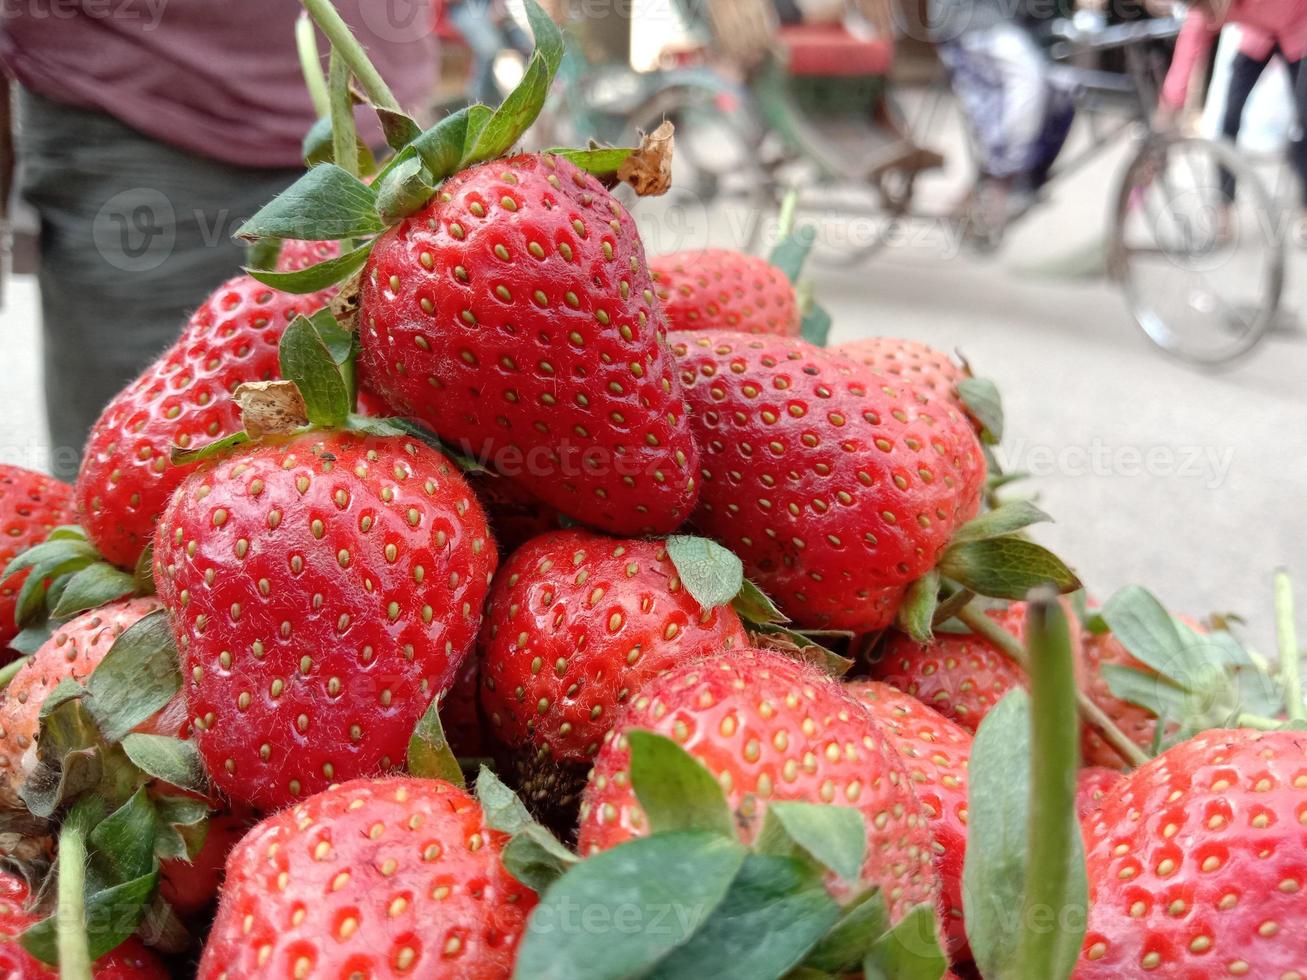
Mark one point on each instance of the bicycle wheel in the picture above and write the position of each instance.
(1202, 274)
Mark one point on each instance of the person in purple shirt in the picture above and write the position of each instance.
(148, 131)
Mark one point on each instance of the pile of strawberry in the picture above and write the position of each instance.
(757, 672)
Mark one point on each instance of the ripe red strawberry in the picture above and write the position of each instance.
(720, 289)
(960, 675)
(920, 365)
(299, 254)
(191, 887)
(771, 728)
(577, 624)
(1138, 724)
(179, 400)
(515, 515)
(837, 488)
(1093, 783)
(74, 651)
(1196, 863)
(935, 752)
(323, 589)
(393, 877)
(130, 961)
(31, 506)
(514, 314)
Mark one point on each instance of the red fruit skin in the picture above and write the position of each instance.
(1197, 864)
(299, 254)
(1093, 783)
(129, 961)
(720, 289)
(811, 742)
(603, 617)
(460, 714)
(545, 358)
(1138, 724)
(74, 651)
(191, 887)
(394, 877)
(936, 753)
(918, 364)
(515, 516)
(31, 506)
(182, 399)
(322, 589)
(836, 488)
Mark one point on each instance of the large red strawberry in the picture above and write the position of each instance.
(129, 961)
(837, 487)
(1197, 865)
(74, 651)
(31, 506)
(918, 364)
(577, 624)
(392, 877)
(182, 399)
(935, 752)
(514, 314)
(323, 589)
(720, 289)
(771, 728)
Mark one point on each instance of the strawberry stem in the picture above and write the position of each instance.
(342, 39)
(1260, 722)
(344, 135)
(306, 44)
(1054, 745)
(1092, 714)
(1287, 635)
(70, 922)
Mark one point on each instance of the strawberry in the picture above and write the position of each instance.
(771, 728)
(514, 314)
(191, 887)
(1093, 783)
(460, 713)
(31, 506)
(515, 515)
(1196, 865)
(129, 961)
(372, 878)
(576, 625)
(296, 254)
(720, 289)
(323, 589)
(1138, 724)
(935, 752)
(74, 651)
(921, 366)
(960, 675)
(836, 488)
(180, 400)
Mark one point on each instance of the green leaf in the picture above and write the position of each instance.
(861, 923)
(598, 160)
(1006, 568)
(317, 147)
(143, 576)
(803, 647)
(536, 858)
(791, 252)
(114, 913)
(409, 427)
(53, 552)
(754, 606)
(326, 203)
(399, 128)
(675, 791)
(184, 457)
(32, 638)
(711, 573)
(315, 277)
(503, 809)
(621, 912)
(981, 397)
(405, 189)
(1147, 631)
(816, 324)
(441, 147)
(137, 677)
(833, 836)
(775, 912)
(1006, 518)
(521, 106)
(173, 760)
(308, 360)
(429, 754)
(998, 844)
(123, 843)
(1148, 690)
(916, 616)
(93, 586)
(909, 951)
(67, 758)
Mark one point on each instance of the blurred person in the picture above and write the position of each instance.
(488, 28)
(148, 131)
(1018, 118)
(1267, 28)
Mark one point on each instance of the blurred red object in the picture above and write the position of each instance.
(828, 50)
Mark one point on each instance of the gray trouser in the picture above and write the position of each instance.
(134, 235)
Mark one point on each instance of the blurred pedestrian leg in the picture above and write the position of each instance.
(134, 233)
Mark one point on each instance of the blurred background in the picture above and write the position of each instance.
(1031, 184)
